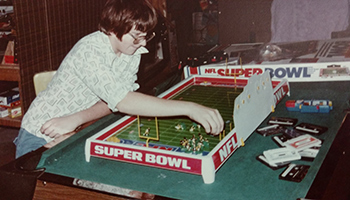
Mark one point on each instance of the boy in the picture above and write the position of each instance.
(98, 76)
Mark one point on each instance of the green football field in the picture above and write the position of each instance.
(219, 97)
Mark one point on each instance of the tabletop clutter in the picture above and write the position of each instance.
(296, 142)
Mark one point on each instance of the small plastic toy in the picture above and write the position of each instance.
(309, 106)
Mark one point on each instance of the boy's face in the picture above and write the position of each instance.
(127, 45)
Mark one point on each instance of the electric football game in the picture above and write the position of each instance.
(182, 145)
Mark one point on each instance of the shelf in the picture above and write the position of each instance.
(12, 122)
(9, 72)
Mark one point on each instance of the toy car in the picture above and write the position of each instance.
(309, 106)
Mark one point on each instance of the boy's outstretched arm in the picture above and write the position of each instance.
(62, 125)
(140, 104)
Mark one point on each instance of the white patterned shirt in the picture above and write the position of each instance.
(91, 71)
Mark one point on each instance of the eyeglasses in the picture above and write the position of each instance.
(147, 38)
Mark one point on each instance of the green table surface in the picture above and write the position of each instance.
(241, 177)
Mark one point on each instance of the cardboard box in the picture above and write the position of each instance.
(8, 97)
(293, 72)
(12, 105)
(4, 112)
(323, 60)
(15, 112)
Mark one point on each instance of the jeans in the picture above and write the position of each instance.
(26, 142)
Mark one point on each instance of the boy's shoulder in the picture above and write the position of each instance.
(95, 38)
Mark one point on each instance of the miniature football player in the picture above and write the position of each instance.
(179, 127)
(193, 139)
(146, 133)
(184, 142)
(188, 147)
(200, 137)
(192, 128)
(199, 146)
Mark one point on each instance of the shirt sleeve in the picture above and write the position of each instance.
(107, 76)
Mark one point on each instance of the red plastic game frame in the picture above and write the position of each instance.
(206, 166)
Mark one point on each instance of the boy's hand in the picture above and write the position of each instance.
(59, 126)
(62, 125)
(209, 118)
(58, 139)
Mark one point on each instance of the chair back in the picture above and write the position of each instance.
(41, 80)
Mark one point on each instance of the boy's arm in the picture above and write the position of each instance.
(140, 104)
(61, 125)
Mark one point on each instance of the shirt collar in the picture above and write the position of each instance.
(141, 50)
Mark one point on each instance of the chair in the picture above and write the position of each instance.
(41, 80)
